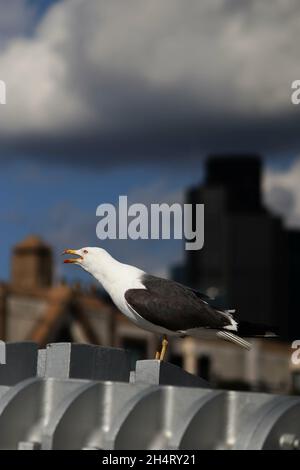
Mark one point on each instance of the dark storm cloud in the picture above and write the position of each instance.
(118, 81)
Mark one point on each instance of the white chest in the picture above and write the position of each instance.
(117, 293)
(116, 280)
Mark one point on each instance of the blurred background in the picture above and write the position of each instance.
(162, 102)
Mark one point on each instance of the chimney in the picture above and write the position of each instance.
(31, 264)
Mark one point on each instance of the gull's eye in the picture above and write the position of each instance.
(85, 252)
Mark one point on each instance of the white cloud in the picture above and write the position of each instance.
(282, 192)
(117, 67)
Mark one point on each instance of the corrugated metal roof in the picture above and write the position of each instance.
(75, 396)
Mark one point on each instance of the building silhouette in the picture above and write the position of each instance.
(245, 259)
(293, 285)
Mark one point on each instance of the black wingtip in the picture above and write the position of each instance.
(253, 330)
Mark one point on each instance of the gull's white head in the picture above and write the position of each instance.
(100, 264)
(89, 258)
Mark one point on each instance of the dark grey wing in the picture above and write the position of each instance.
(201, 296)
(173, 306)
(211, 301)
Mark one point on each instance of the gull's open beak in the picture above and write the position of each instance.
(72, 260)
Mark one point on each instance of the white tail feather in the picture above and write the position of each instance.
(270, 334)
(234, 339)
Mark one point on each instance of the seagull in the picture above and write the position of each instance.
(160, 305)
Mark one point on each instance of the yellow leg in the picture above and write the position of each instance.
(164, 348)
(158, 353)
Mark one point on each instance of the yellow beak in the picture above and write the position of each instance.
(72, 260)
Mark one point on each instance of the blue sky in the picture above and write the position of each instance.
(41, 6)
(59, 203)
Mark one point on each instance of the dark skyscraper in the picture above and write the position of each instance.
(244, 262)
(240, 177)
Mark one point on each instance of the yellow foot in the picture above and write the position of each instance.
(164, 348)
